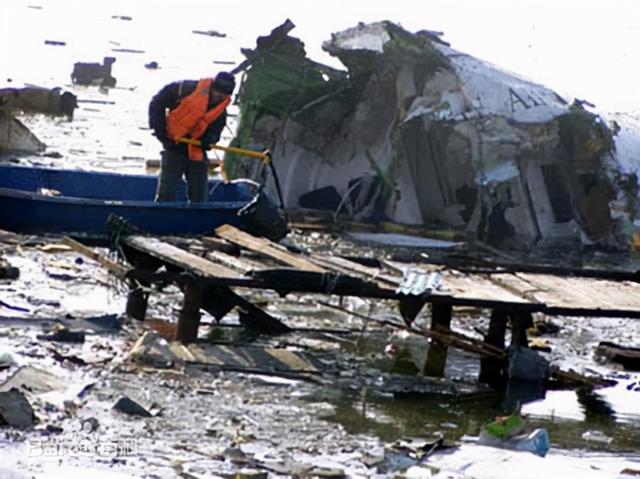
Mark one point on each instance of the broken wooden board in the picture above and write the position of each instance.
(266, 247)
(550, 293)
(178, 257)
(476, 288)
(248, 358)
(345, 266)
(116, 268)
(295, 365)
(574, 295)
(242, 265)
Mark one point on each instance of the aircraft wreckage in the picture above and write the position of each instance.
(418, 133)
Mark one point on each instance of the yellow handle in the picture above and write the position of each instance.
(265, 156)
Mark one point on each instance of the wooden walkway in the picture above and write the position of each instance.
(271, 266)
(208, 271)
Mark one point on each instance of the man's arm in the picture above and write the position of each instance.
(166, 98)
(213, 132)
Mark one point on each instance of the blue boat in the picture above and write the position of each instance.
(41, 200)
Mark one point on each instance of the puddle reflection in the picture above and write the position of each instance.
(572, 418)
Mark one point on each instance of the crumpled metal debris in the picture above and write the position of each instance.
(416, 281)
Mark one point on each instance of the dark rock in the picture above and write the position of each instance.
(129, 406)
(9, 272)
(15, 410)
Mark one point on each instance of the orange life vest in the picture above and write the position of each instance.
(191, 118)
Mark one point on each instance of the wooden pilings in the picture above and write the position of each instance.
(492, 370)
(137, 301)
(492, 367)
(189, 317)
(437, 353)
(219, 300)
(138, 297)
(520, 322)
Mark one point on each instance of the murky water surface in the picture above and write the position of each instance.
(605, 419)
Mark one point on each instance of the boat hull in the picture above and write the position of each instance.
(41, 200)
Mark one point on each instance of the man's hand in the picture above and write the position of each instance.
(163, 138)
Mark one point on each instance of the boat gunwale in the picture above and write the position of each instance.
(179, 205)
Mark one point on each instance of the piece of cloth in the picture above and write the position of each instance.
(174, 165)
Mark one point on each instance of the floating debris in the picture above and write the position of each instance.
(210, 33)
(52, 101)
(94, 73)
(16, 137)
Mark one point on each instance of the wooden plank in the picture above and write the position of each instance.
(292, 360)
(573, 292)
(476, 287)
(266, 247)
(471, 265)
(551, 292)
(219, 244)
(241, 265)
(116, 268)
(399, 267)
(251, 358)
(178, 257)
(584, 293)
(515, 285)
(343, 265)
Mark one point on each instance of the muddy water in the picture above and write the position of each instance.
(605, 419)
(585, 421)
